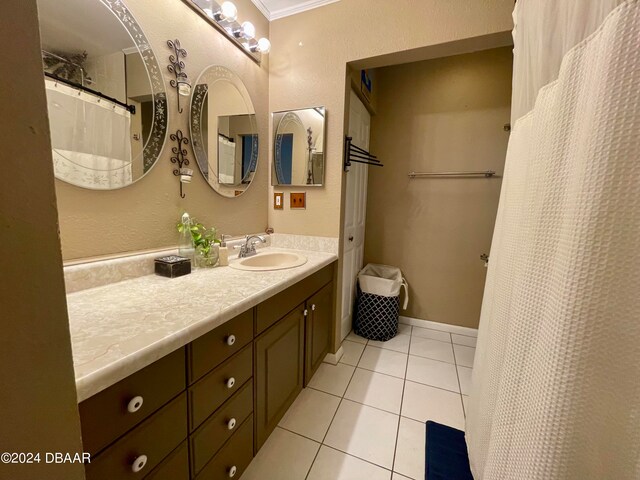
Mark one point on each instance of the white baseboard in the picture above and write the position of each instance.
(334, 358)
(443, 327)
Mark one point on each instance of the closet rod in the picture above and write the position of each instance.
(485, 173)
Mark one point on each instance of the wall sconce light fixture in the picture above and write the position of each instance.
(176, 66)
(224, 17)
(180, 158)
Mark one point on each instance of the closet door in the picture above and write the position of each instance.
(355, 213)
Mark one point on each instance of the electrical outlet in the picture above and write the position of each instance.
(278, 200)
(298, 200)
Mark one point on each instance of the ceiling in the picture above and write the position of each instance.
(274, 9)
(74, 26)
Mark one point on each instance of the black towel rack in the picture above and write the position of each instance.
(353, 153)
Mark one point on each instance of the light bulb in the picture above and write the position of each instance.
(228, 12)
(248, 30)
(264, 45)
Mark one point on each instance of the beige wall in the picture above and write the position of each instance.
(144, 214)
(439, 115)
(308, 68)
(38, 409)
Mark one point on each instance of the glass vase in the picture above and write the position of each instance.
(207, 259)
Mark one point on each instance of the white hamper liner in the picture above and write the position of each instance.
(383, 280)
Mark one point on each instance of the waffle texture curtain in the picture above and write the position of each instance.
(556, 380)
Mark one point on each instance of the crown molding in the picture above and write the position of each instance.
(263, 9)
(285, 12)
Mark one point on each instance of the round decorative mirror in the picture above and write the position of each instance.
(224, 133)
(105, 94)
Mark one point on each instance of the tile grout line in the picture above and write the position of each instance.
(404, 383)
(464, 413)
(332, 420)
(382, 409)
(401, 378)
(365, 405)
(444, 330)
(355, 456)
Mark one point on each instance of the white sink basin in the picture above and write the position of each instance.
(270, 261)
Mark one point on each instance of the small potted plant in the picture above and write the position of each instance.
(205, 242)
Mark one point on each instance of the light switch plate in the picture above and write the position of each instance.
(278, 200)
(298, 200)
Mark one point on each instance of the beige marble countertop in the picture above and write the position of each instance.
(120, 328)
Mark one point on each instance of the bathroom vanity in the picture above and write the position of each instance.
(218, 384)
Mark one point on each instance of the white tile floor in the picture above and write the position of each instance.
(364, 419)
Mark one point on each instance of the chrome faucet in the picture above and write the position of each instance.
(249, 247)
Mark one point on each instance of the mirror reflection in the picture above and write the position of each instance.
(105, 96)
(298, 157)
(223, 131)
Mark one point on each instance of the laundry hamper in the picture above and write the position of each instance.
(377, 305)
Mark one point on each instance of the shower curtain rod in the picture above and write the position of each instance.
(485, 173)
(130, 108)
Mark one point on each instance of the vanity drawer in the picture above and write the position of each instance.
(217, 429)
(215, 347)
(114, 411)
(174, 467)
(273, 309)
(143, 448)
(211, 391)
(235, 456)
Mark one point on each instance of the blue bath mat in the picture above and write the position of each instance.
(447, 456)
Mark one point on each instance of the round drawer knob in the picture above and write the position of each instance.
(231, 424)
(135, 404)
(231, 382)
(313, 307)
(231, 339)
(139, 463)
(232, 471)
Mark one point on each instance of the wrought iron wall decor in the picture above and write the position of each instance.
(180, 158)
(176, 66)
(353, 153)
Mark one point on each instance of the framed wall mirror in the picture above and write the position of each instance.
(105, 93)
(298, 140)
(224, 133)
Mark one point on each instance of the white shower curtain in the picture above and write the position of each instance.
(90, 138)
(556, 380)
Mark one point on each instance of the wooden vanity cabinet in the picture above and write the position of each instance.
(279, 371)
(203, 411)
(290, 346)
(111, 413)
(174, 467)
(320, 312)
(145, 447)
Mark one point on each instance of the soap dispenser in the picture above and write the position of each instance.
(223, 258)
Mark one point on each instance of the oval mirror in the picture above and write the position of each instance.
(105, 94)
(224, 133)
